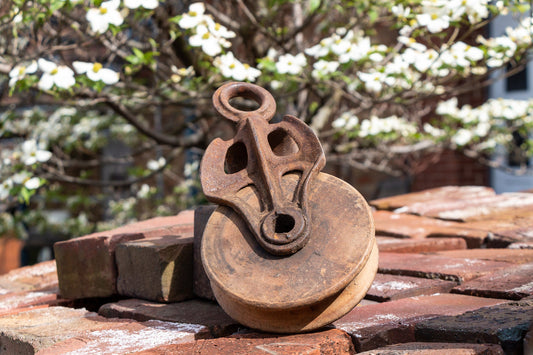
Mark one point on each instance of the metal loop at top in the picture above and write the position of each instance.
(221, 98)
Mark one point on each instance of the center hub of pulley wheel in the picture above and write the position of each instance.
(285, 226)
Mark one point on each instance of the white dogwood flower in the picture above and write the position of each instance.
(462, 137)
(156, 164)
(19, 72)
(210, 44)
(194, 17)
(33, 183)
(96, 72)
(32, 153)
(5, 188)
(323, 68)
(291, 64)
(106, 14)
(231, 67)
(61, 76)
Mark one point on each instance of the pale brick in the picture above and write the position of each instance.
(205, 313)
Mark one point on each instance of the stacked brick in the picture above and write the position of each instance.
(455, 276)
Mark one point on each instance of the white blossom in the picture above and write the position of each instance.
(376, 125)
(106, 14)
(323, 68)
(435, 132)
(156, 164)
(194, 17)
(61, 76)
(5, 188)
(210, 44)
(32, 153)
(33, 183)
(462, 137)
(291, 64)
(218, 30)
(374, 80)
(321, 49)
(347, 121)
(19, 72)
(96, 72)
(144, 191)
(230, 67)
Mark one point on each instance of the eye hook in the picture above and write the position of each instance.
(223, 95)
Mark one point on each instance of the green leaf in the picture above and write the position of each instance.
(314, 5)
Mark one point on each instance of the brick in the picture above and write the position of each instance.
(437, 349)
(523, 245)
(56, 330)
(10, 248)
(201, 284)
(427, 196)
(126, 338)
(86, 265)
(503, 324)
(471, 209)
(157, 269)
(393, 322)
(16, 300)
(528, 341)
(416, 227)
(30, 278)
(392, 287)
(329, 342)
(436, 267)
(515, 256)
(510, 283)
(194, 312)
(403, 245)
(34, 330)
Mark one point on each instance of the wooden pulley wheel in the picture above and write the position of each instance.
(290, 249)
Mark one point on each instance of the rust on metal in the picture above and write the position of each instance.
(290, 248)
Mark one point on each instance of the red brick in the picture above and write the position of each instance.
(201, 284)
(503, 324)
(428, 196)
(126, 338)
(403, 245)
(157, 269)
(56, 330)
(329, 342)
(393, 322)
(510, 283)
(86, 265)
(30, 278)
(194, 312)
(392, 287)
(409, 226)
(472, 209)
(515, 256)
(437, 349)
(10, 247)
(25, 299)
(436, 267)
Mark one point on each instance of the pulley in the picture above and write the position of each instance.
(289, 249)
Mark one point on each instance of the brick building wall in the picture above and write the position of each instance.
(452, 168)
